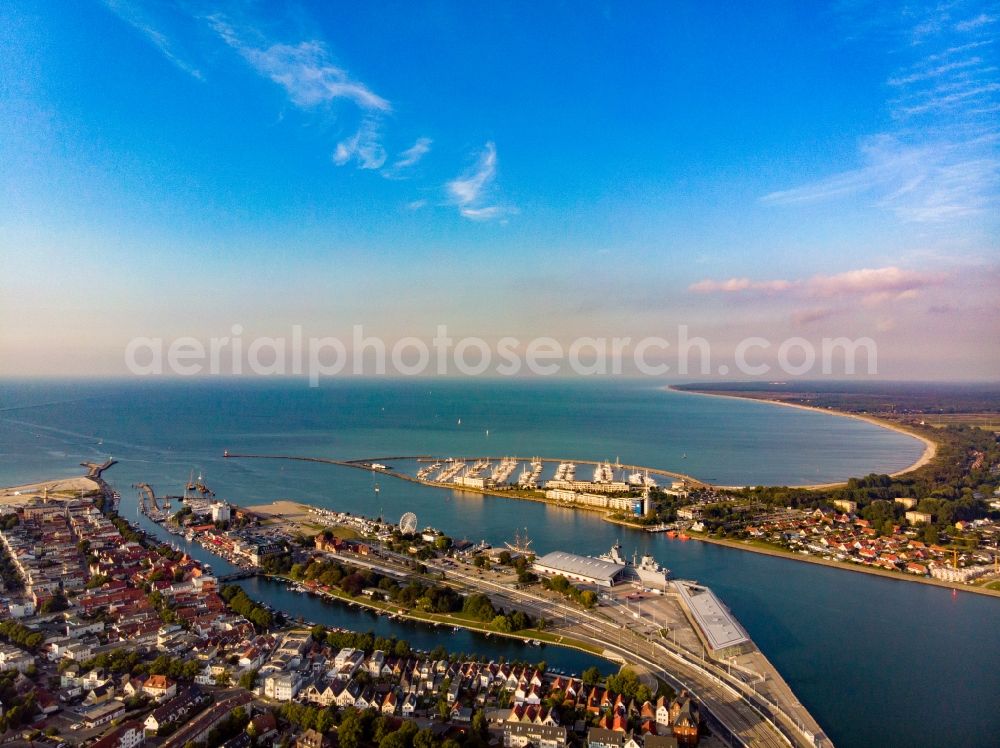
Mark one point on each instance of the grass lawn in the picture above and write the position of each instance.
(550, 638)
(344, 533)
(987, 421)
(459, 618)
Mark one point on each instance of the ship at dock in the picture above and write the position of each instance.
(646, 571)
(521, 544)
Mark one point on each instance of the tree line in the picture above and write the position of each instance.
(238, 602)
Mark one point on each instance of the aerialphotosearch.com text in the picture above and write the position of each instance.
(363, 354)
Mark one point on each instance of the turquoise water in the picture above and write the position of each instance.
(184, 424)
(873, 659)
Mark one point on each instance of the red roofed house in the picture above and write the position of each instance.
(160, 687)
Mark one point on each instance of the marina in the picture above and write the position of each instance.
(769, 698)
(307, 606)
(617, 490)
(371, 369)
(495, 473)
(785, 606)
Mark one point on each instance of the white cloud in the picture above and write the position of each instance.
(936, 71)
(470, 190)
(304, 70)
(872, 285)
(738, 285)
(412, 155)
(133, 14)
(975, 23)
(309, 77)
(803, 317)
(481, 214)
(939, 162)
(364, 147)
(408, 159)
(934, 181)
(467, 189)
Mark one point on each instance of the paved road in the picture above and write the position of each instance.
(725, 704)
(734, 717)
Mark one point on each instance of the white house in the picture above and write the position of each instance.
(282, 686)
(12, 658)
(409, 705)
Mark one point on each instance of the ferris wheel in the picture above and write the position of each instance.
(408, 523)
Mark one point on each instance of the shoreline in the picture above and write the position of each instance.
(884, 573)
(930, 446)
(61, 489)
(740, 545)
(539, 497)
(444, 619)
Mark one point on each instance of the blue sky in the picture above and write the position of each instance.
(173, 168)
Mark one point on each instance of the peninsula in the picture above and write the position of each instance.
(935, 521)
(211, 659)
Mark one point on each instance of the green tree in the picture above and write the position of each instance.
(248, 679)
(383, 726)
(931, 534)
(501, 623)
(54, 604)
(424, 739)
(627, 683)
(325, 721)
(351, 731)
(479, 723)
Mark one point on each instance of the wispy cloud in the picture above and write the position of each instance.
(739, 285)
(364, 147)
(940, 160)
(929, 182)
(134, 15)
(307, 73)
(304, 70)
(408, 159)
(413, 154)
(975, 23)
(871, 285)
(470, 191)
(804, 317)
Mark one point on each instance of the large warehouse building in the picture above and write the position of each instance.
(722, 633)
(580, 568)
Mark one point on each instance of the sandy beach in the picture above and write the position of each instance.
(930, 446)
(63, 488)
(286, 512)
